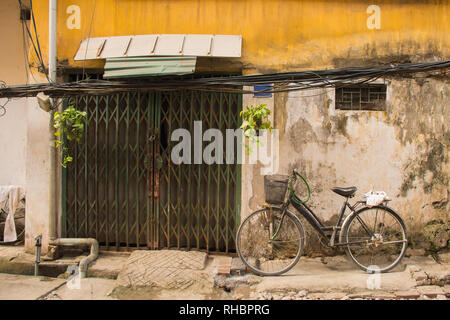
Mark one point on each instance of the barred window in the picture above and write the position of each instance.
(367, 97)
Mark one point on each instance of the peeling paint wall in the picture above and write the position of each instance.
(24, 138)
(37, 175)
(278, 35)
(13, 129)
(403, 150)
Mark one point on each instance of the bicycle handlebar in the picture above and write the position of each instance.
(291, 189)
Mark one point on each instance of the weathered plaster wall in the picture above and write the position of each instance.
(13, 127)
(12, 55)
(419, 110)
(24, 141)
(37, 175)
(278, 35)
(13, 136)
(403, 151)
(251, 175)
(330, 147)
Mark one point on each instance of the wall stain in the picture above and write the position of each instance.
(341, 125)
(418, 110)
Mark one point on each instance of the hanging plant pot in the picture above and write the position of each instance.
(258, 130)
(69, 124)
(255, 119)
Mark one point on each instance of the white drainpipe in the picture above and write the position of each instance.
(53, 160)
(52, 78)
(80, 241)
(52, 41)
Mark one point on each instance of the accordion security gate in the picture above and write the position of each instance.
(122, 187)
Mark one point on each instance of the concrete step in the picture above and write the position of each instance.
(14, 260)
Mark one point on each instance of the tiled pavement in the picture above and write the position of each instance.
(170, 269)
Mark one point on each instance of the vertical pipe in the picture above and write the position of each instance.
(52, 41)
(52, 161)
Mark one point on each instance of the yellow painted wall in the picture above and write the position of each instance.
(278, 35)
(12, 58)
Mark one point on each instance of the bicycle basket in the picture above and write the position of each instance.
(275, 187)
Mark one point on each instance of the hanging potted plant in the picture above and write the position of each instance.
(69, 124)
(255, 119)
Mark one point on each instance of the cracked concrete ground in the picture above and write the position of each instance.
(20, 287)
(171, 274)
(417, 277)
(312, 278)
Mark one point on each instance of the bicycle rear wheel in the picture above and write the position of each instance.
(268, 243)
(377, 239)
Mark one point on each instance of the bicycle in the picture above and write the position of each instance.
(270, 240)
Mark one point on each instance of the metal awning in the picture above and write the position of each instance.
(199, 45)
(148, 66)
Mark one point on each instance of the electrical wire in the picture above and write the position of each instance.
(36, 47)
(278, 82)
(88, 38)
(35, 33)
(37, 41)
(26, 55)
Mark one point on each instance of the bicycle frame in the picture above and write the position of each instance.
(317, 224)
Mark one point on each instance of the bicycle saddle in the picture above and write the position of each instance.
(345, 192)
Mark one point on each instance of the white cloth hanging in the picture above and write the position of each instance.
(12, 194)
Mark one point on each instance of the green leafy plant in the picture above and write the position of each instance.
(69, 124)
(255, 118)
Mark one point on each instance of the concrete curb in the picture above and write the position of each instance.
(106, 266)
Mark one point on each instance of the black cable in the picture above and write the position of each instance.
(88, 38)
(35, 33)
(37, 52)
(25, 52)
(279, 82)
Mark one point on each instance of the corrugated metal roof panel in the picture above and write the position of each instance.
(148, 66)
(200, 45)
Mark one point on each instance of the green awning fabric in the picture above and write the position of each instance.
(148, 66)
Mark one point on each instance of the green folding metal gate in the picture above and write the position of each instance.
(122, 187)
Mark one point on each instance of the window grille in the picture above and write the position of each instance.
(370, 97)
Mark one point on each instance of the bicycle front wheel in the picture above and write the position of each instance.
(376, 239)
(270, 243)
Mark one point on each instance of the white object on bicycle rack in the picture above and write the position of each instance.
(374, 198)
(12, 194)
